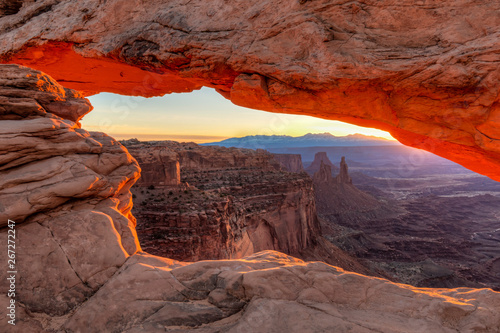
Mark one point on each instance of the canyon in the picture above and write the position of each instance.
(437, 230)
(432, 240)
(81, 268)
(228, 204)
(321, 161)
(426, 71)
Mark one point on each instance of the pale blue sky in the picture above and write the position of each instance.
(200, 116)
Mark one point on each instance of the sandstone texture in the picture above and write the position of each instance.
(291, 162)
(67, 190)
(426, 71)
(343, 176)
(81, 269)
(339, 201)
(230, 203)
(272, 292)
(159, 165)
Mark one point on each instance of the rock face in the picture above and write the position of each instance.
(231, 203)
(321, 158)
(61, 185)
(418, 70)
(159, 165)
(337, 199)
(323, 175)
(343, 176)
(80, 268)
(291, 162)
(271, 292)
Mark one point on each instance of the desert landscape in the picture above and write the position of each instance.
(436, 226)
(162, 236)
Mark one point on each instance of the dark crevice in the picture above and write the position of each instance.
(10, 7)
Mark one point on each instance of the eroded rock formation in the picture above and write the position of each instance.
(426, 72)
(291, 162)
(321, 158)
(272, 292)
(80, 268)
(67, 190)
(337, 199)
(159, 165)
(231, 203)
(343, 176)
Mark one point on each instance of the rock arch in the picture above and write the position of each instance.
(427, 72)
(367, 62)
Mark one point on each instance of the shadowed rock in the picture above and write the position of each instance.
(343, 176)
(291, 162)
(320, 158)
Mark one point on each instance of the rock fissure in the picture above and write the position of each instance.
(65, 254)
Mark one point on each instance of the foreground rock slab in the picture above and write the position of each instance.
(272, 292)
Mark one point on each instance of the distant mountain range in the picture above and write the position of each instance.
(308, 140)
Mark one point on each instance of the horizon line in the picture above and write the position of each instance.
(212, 138)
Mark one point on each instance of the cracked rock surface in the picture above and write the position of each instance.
(80, 268)
(67, 190)
(426, 71)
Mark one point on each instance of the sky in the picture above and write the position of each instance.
(200, 116)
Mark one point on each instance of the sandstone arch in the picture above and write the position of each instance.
(81, 269)
(80, 264)
(425, 71)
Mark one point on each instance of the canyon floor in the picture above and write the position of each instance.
(446, 230)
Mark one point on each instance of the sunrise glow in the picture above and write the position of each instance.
(200, 116)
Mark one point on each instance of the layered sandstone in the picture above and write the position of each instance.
(231, 203)
(159, 165)
(80, 268)
(291, 162)
(338, 200)
(272, 292)
(343, 176)
(426, 71)
(67, 190)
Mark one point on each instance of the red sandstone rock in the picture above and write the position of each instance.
(343, 176)
(67, 190)
(248, 204)
(320, 158)
(80, 270)
(291, 162)
(337, 198)
(426, 72)
(159, 166)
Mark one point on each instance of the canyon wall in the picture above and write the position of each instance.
(319, 159)
(232, 202)
(291, 162)
(426, 71)
(66, 189)
(339, 201)
(80, 268)
(159, 166)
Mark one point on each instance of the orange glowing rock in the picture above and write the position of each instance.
(423, 72)
(83, 269)
(100, 74)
